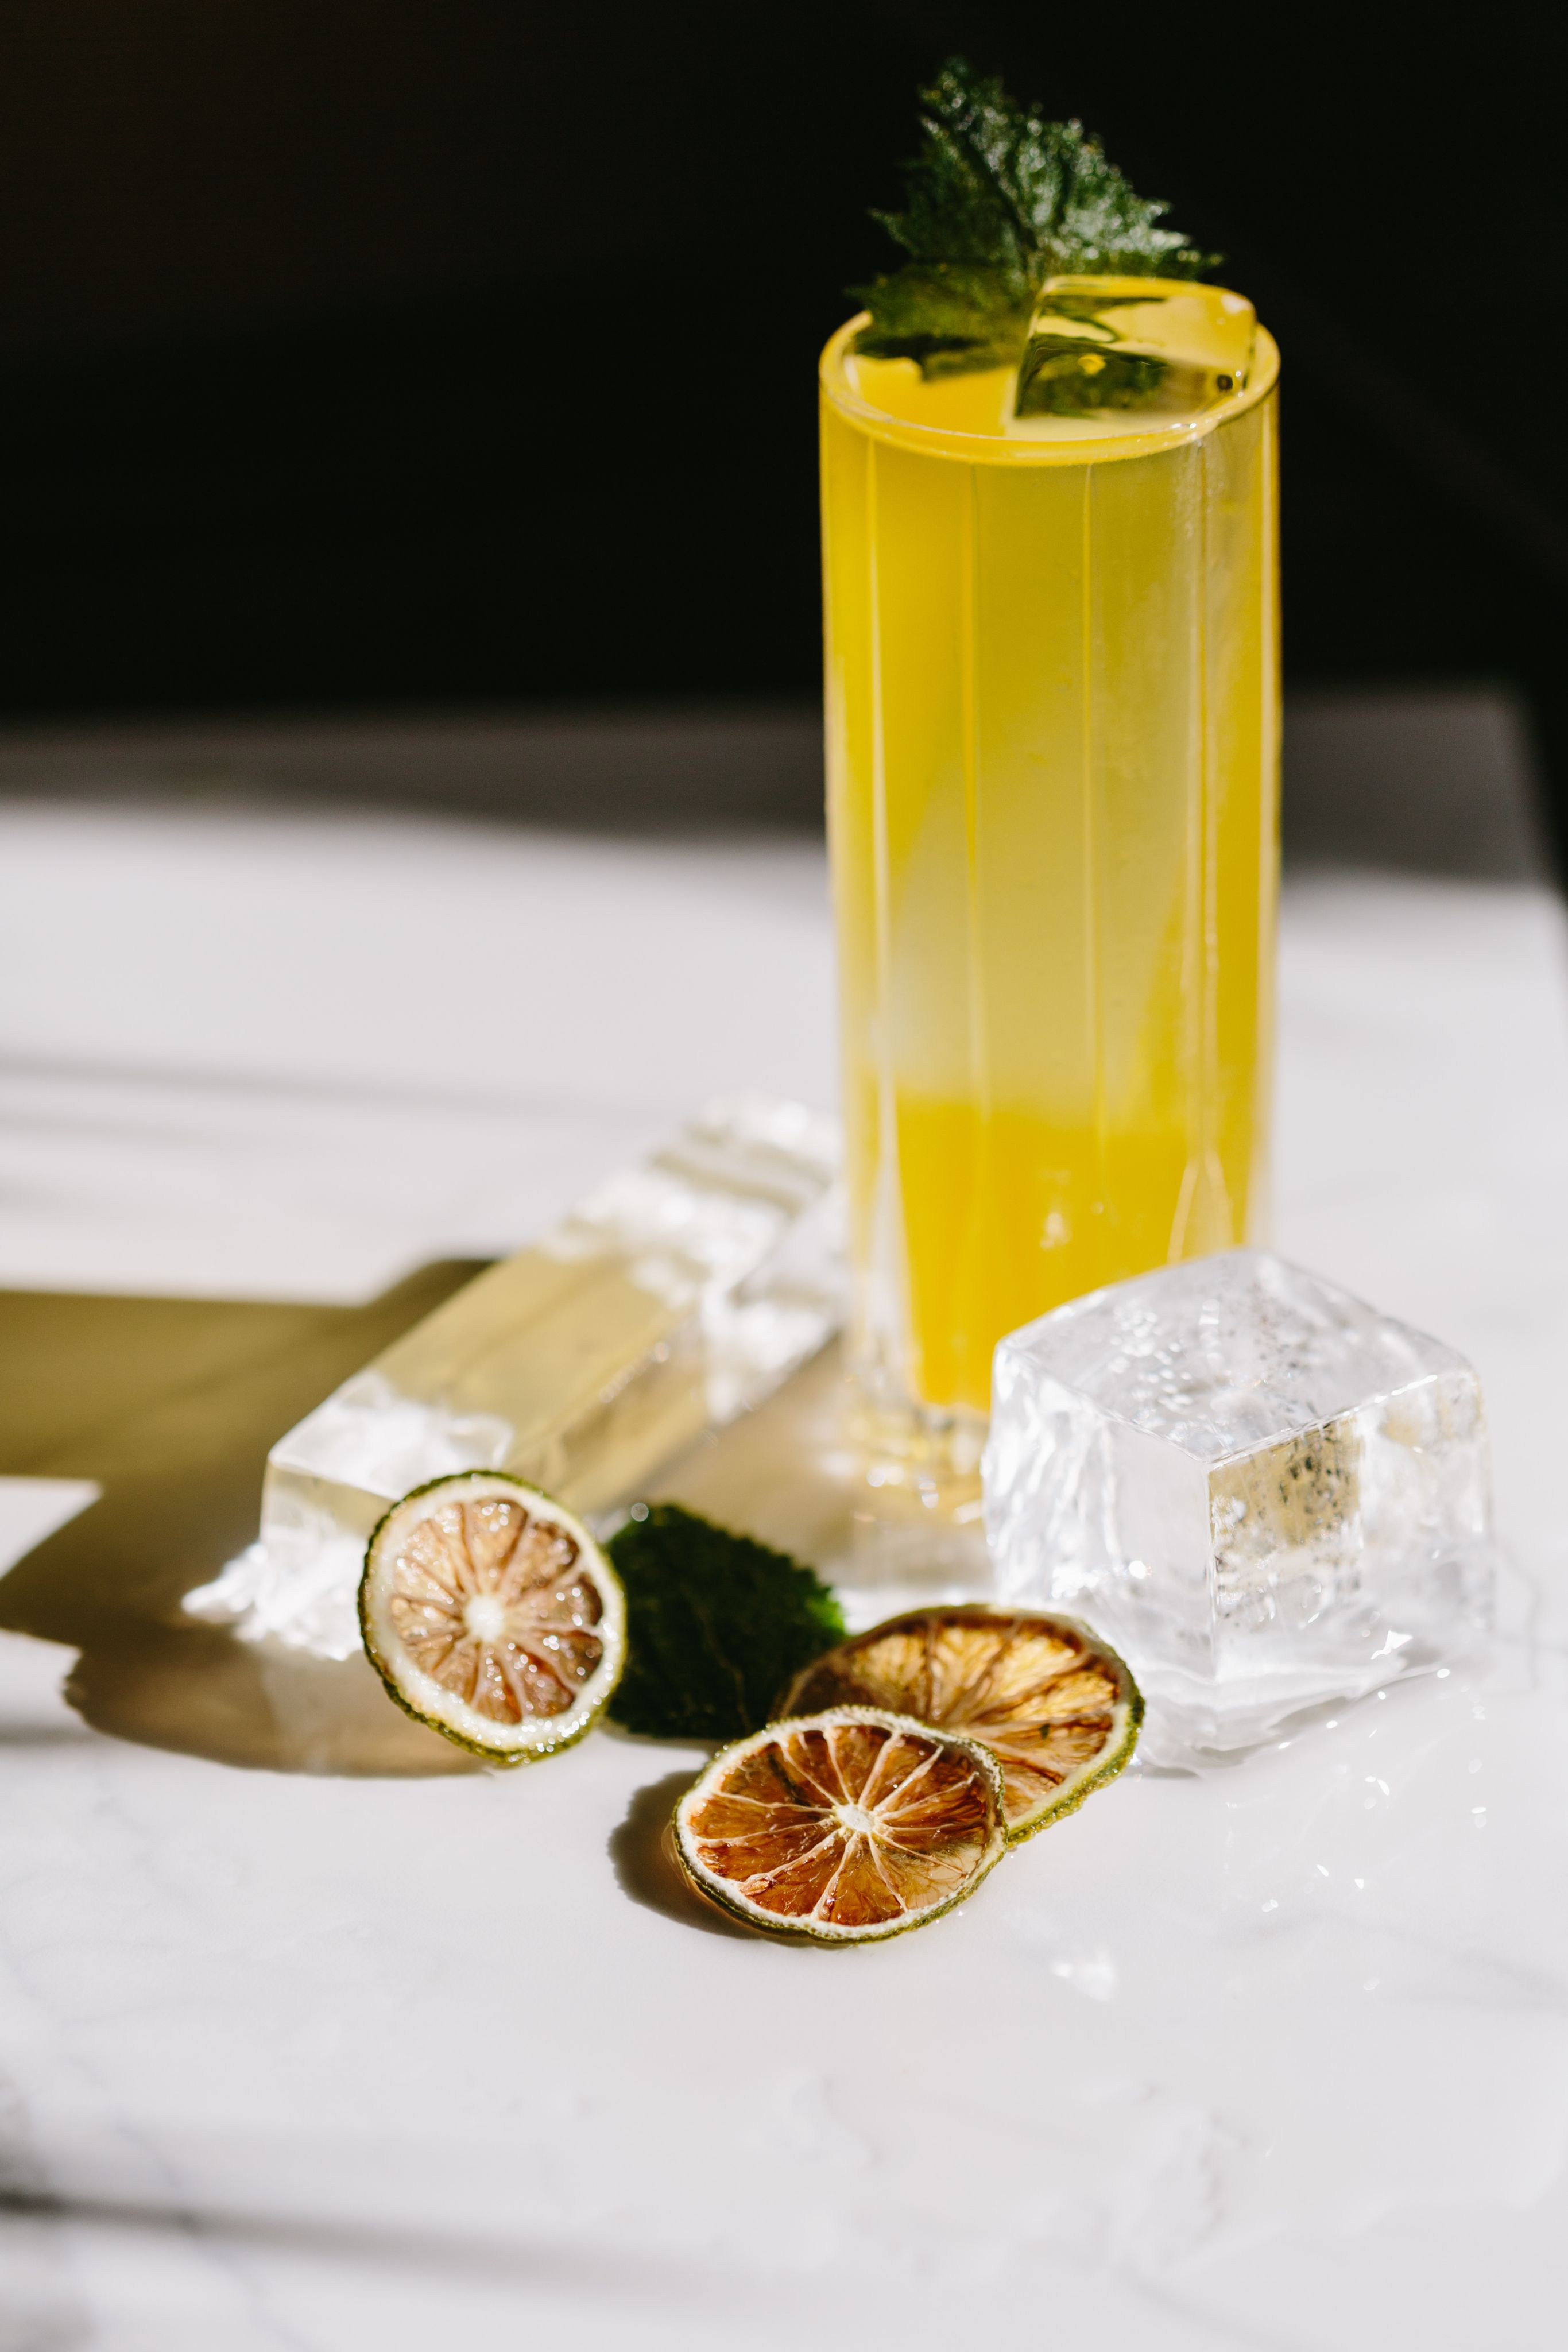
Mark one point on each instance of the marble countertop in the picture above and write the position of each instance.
(1275, 2057)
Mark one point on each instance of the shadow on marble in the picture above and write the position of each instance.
(15, 1737)
(643, 1867)
(169, 1405)
(641, 2278)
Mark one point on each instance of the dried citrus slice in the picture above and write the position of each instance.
(492, 1615)
(1056, 1708)
(842, 1827)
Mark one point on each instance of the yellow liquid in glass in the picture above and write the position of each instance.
(1053, 752)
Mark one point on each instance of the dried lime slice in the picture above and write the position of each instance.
(492, 1615)
(1056, 1708)
(844, 1827)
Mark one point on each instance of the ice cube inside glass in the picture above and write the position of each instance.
(1160, 345)
(1263, 1491)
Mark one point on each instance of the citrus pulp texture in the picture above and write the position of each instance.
(493, 1616)
(842, 1828)
(1058, 1709)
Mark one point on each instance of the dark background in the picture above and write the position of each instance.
(378, 354)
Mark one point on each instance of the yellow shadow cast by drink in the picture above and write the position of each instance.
(170, 1406)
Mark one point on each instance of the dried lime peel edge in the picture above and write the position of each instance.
(470, 1484)
(806, 1692)
(683, 1838)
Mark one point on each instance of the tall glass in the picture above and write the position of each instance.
(1053, 759)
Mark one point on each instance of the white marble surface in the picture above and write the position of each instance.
(1275, 2058)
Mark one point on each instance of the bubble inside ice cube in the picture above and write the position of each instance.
(1265, 1492)
(1157, 344)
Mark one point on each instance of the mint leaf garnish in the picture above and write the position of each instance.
(998, 201)
(718, 1626)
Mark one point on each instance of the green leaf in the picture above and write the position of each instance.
(716, 1626)
(998, 201)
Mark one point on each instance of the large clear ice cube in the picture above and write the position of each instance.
(1263, 1491)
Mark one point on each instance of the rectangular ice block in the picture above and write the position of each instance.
(1263, 1491)
(674, 1298)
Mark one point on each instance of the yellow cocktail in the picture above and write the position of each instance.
(1052, 760)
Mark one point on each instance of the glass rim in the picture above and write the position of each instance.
(996, 449)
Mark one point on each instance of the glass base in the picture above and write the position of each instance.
(885, 1506)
